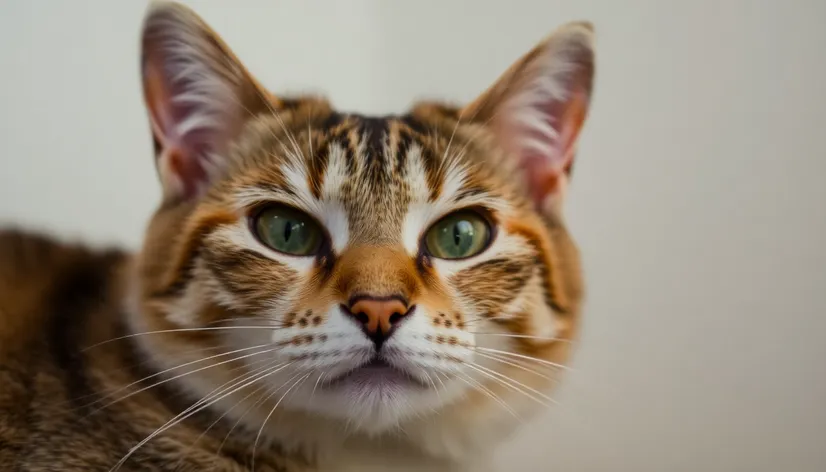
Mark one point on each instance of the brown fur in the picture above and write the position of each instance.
(101, 349)
(57, 301)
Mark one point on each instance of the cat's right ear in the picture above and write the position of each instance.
(198, 96)
(537, 109)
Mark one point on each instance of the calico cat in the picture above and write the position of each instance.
(317, 290)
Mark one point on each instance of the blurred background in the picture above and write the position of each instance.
(699, 197)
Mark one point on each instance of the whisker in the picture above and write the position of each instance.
(290, 136)
(505, 380)
(238, 421)
(522, 356)
(320, 376)
(113, 392)
(549, 370)
(258, 436)
(234, 359)
(479, 319)
(480, 129)
(512, 364)
(435, 389)
(310, 137)
(439, 378)
(176, 330)
(524, 336)
(450, 141)
(247, 377)
(279, 323)
(259, 118)
(134, 365)
(252, 407)
(195, 408)
(490, 393)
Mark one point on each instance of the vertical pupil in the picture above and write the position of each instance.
(462, 234)
(288, 230)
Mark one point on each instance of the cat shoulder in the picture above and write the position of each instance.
(40, 275)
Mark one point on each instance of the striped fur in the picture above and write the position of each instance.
(101, 350)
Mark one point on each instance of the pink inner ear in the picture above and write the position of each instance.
(543, 179)
(549, 162)
(189, 171)
(185, 155)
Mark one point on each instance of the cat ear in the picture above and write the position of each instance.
(198, 96)
(537, 108)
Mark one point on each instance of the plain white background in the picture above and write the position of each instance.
(698, 197)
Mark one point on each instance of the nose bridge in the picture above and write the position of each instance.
(376, 271)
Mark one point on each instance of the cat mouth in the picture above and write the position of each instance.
(375, 374)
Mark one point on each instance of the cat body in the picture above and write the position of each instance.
(317, 291)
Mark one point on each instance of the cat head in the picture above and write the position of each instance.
(374, 272)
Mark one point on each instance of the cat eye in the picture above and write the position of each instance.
(458, 235)
(288, 230)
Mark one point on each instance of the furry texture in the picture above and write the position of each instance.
(209, 349)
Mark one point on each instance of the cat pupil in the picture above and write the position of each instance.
(462, 232)
(288, 231)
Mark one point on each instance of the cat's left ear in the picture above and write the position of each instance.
(538, 106)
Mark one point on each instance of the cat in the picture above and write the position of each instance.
(317, 290)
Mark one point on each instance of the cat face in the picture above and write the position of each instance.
(370, 271)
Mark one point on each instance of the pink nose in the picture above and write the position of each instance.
(378, 316)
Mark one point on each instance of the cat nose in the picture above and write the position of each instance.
(378, 316)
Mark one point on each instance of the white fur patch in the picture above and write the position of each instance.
(335, 174)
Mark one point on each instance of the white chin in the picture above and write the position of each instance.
(372, 405)
(368, 401)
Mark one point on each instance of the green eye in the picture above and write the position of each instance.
(458, 235)
(288, 230)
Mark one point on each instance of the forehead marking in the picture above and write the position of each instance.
(421, 212)
(335, 174)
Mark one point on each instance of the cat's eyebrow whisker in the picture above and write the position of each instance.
(522, 356)
(513, 364)
(310, 137)
(290, 136)
(513, 384)
(258, 436)
(175, 330)
(193, 409)
(234, 359)
(450, 141)
(484, 126)
(260, 118)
